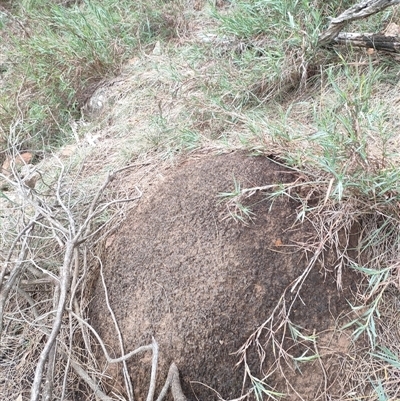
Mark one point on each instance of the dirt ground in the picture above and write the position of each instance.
(180, 270)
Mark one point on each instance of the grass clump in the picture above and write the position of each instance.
(280, 20)
(343, 143)
(63, 53)
(275, 43)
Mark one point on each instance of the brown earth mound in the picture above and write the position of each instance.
(201, 283)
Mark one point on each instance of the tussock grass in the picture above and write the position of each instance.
(61, 53)
(343, 142)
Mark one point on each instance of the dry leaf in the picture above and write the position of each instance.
(19, 161)
(392, 30)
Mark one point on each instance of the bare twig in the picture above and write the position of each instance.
(64, 284)
(127, 380)
(66, 354)
(49, 383)
(60, 221)
(22, 233)
(88, 380)
(175, 384)
(74, 240)
(17, 270)
(103, 347)
(153, 377)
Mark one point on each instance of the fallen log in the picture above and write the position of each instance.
(360, 10)
(370, 41)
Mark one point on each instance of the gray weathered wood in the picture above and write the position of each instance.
(370, 41)
(360, 10)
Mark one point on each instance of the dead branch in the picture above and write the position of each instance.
(360, 10)
(175, 384)
(64, 284)
(74, 240)
(87, 379)
(49, 383)
(22, 233)
(66, 355)
(18, 267)
(128, 384)
(153, 377)
(59, 222)
(74, 234)
(389, 44)
(122, 358)
(77, 306)
(173, 374)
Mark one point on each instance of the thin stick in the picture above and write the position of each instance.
(89, 381)
(128, 383)
(64, 283)
(24, 231)
(79, 307)
(66, 355)
(19, 266)
(176, 388)
(175, 384)
(49, 383)
(73, 242)
(153, 377)
(122, 358)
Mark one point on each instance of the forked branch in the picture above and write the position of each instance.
(360, 10)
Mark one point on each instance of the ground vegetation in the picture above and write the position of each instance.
(99, 99)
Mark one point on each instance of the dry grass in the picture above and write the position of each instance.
(28, 315)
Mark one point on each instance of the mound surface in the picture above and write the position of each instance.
(201, 283)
